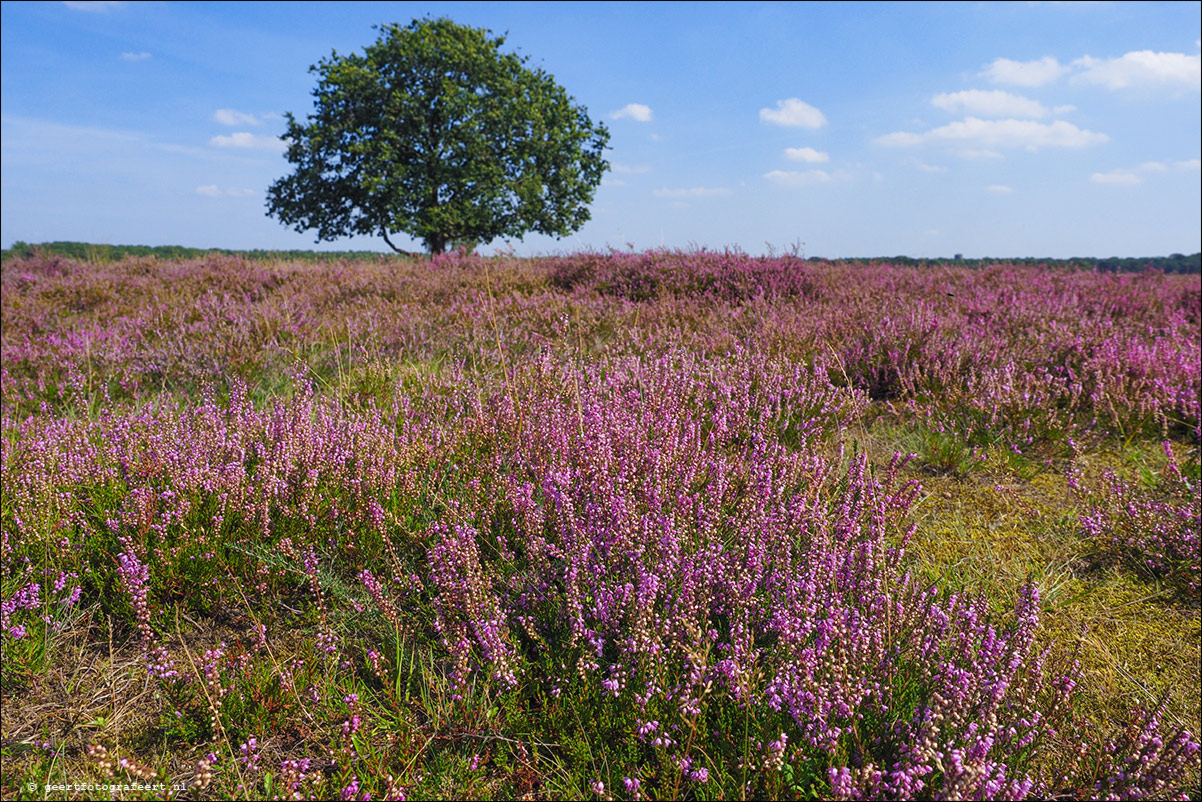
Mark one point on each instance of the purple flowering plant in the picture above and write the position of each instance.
(627, 523)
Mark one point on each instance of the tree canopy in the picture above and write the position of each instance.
(434, 132)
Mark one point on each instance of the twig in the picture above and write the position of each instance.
(212, 707)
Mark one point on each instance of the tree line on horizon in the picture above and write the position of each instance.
(1173, 263)
(93, 252)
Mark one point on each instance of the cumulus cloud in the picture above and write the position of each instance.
(989, 103)
(692, 192)
(1142, 68)
(1117, 178)
(635, 111)
(793, 113)
(975, 133)
(630, 169)
(999, 189)
(1130, 176)
(1138, 68)
(977, 154)
(930, 168)
(231, 117)
(214, 191)
(807, 178)
(1024, 73)
(808, 155)
(247, 141)
(95, 6)
(135, 56)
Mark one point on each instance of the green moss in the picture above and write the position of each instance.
(990, 533)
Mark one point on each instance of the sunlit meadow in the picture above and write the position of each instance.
(609, 526)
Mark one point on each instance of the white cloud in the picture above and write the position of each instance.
(978, 133)
(214, 191)
(900, 139)
(1138, 68)
(1117, 178)
(808, 155)
(635, 111)
(989, 103)
(52, 143)
(67, 138)
(1142, 68)
(97, 6)
(1024, 73)
(999, 189)
(232, 117)
(247, 141)
(793, 113)
(929, 168)
(807, 178)
(135, 56)
(692, 192)
(977, 154)
(630, 169)
(1135, 175)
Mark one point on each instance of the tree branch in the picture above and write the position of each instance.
(384, 234)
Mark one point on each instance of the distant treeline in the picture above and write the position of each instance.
(1173, 263)
(83, 251)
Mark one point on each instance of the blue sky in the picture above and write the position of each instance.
(859, 129)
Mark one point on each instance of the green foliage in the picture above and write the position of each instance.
(434, 132)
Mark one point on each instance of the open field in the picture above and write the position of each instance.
(653, 525)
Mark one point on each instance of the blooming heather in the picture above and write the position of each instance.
(620, 479)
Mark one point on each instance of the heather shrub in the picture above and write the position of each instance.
(1152, 525)
(1019, 355)
(610, 524)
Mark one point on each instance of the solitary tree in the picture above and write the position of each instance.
(436, 133)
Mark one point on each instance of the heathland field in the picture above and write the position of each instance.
(611, 526)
